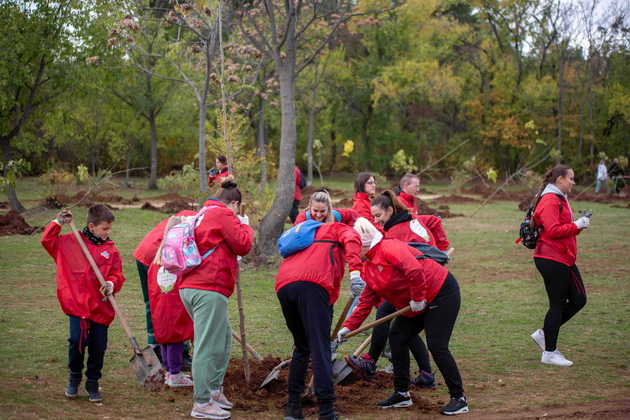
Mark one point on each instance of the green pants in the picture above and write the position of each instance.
(213, 339)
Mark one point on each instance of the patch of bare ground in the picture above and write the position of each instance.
(13, 223)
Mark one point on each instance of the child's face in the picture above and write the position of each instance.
(102, 230)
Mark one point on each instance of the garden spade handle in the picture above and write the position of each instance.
(378, 322)
(117, 310)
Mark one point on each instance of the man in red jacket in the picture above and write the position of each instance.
(80, 293)
(307, 285)
(407, 189)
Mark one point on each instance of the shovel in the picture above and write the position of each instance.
(250, 349)
(275, 373)
(145, 363)
(343, 368)
(310, 390)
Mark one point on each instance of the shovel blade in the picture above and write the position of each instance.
(275, 373)
(343, 373)
(148, 369)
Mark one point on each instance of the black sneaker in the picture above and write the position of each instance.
(73, 384)
(456, 406)
(396, 401)
(293, 413)
(331, 416)
(424, 380)
(91, 387)
(365, 366)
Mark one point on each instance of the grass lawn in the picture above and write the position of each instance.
(503, 302)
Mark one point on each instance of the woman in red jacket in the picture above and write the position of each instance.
(394, 273)
(320, 208)
(364, 191)
(205, 292)
(554, 256)
(399, 223)
(307, 285)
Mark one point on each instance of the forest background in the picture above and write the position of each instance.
(449, 89)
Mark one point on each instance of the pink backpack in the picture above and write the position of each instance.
(179, 253)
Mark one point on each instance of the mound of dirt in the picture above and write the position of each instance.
(444, 212)
(355, 394)
(13, 223)
(170, 207)
(346, 203)
(4, 204)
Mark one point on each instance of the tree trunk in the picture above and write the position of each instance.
(154, 156)
(203, 177)
(309, 145)
(127, 166)
(14, 203)
(560, 97)
(273, 223)
(261, 147)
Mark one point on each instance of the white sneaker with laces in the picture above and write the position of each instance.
(167, 378)
(555, 358)
(180, 379)
(539, 337)
(210, 411)
(219, 399)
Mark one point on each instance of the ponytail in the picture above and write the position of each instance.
(389, 199)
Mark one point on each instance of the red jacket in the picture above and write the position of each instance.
(323, 263)
(393, 273)
(557, 239)
(217, 177)
(297, 195)
(146, 250)
(171, 322)
(434, 224)
(362, 205)
(348, 217)
(78, 288)
(217, 273)
(411, 231)
(408, 200)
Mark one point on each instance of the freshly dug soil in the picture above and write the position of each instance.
(13, 223)
(444, 212)
(170, 207)
(355, 394)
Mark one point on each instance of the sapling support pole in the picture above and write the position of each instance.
(241, 314)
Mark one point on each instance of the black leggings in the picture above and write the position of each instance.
(381, 332)
(438, 321)
(566, 293)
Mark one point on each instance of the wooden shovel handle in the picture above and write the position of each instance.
(342, 318)
(241, 210)
(363, 346)
(378, 322)
(111, 298)
(250, 349)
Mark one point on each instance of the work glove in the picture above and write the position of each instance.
(417, 306)
(585, 214)
(244, 219)
(108, 289)
(341, 335)
(64, 217)
(356, 283)
(582, 222)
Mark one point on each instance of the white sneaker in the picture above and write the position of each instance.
(167, 378)
(555, 358)
(210, 411)
(180, 379)
(539, 337)
(219, 399)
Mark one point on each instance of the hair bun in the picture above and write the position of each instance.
(229, 185)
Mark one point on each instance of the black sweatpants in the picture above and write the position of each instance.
(566, 293)
(438, 320)
(306, 308)
(381, 332)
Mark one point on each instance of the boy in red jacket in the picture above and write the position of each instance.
(81, 295)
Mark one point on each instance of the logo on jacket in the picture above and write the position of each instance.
(105, 254)
(380, 268)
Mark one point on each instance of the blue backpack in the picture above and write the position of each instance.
(335, 213)
(299, 237)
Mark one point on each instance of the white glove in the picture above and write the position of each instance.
(417, 306)
(356, 283)
(64, 217)
(341, 335)
(582, 222)
(244, 219)
(108, 289)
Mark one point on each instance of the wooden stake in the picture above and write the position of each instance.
(241, 314)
